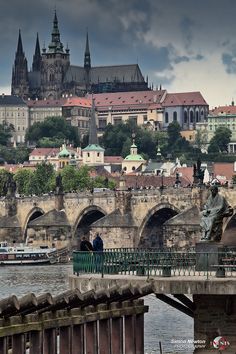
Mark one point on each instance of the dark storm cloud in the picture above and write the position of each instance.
(158, 34)
(229, 60)
(187, 28)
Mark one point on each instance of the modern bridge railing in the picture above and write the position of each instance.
(151, 263)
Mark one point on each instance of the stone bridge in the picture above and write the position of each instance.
(144, 218)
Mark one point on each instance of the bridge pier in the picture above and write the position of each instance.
(214, 316)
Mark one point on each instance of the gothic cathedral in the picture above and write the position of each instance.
(52, 75)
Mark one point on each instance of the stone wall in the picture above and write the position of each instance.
(181, 236)
(215, 315)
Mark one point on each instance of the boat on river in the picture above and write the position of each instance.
(20, 255)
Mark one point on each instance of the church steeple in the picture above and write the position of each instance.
(55, 46)
(19, 50)
(87, 59)
(93, 136)
(37, 59)
(20, 83)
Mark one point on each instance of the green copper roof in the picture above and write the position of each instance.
(133, 146)
(134, 158)
(93, 147)
(64, 153)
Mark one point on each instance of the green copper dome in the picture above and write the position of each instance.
(134, 158)
(64, 152)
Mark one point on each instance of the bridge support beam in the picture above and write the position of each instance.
(214, 316)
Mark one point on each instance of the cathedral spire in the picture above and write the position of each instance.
(87, 59)
(19, 50)
(20, 83)
(55, 46)
(93, 137)
(37, 56)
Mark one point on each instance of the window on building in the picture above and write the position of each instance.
(98, 154)
(185, 117)
(175, 116)
(88, 154)
(191, 116)
(117, 120)
(197, 116)
(145, 117)
(134, 119)
(166, 117)
(102, 123)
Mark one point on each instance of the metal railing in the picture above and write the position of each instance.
(165, 263)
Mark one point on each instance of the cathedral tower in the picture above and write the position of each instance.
(20, 82)
(87, 63)
(37, 58)
(55, 62)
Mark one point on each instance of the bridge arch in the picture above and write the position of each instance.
(88, 216)
(151, 228)
(32, 215)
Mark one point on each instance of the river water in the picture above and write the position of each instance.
(162, 323)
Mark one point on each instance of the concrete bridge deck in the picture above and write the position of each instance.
(174, 285)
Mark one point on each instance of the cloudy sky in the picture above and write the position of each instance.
(184, 45)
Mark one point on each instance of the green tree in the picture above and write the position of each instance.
(70, 178)
(14, 155)
(201, 140)
(43, 179)
(55, 128)
(22, 178)
(118, 138)
(50, 142)
(85, 181)
(4, 176)
(220, 140)
(5, 132)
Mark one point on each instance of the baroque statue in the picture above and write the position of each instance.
(214, 211)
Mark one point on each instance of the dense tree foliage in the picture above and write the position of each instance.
(220, 140)
(4, 176)
(54, 128)
(14, 155)
(43, 180)
(117, 139)
(5, 133)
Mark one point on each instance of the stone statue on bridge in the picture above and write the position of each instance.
(59, 185)
(215, 209)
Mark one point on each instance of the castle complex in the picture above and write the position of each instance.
(53, 76)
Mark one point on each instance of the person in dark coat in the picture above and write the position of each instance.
(85, 245)
(98, 243)
(98, 253)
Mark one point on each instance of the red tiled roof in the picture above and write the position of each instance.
(186, 173)
(223, 110)
(46, 103)
(44, 151)
(133, 181)
(184, 99)
(78, 101)
(145, 98)
(113, 159)
(223, 171)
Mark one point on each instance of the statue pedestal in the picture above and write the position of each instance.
(208, 255)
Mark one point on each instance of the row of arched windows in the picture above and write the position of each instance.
(192, 117)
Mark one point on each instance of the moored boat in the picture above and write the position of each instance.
(13, 255)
